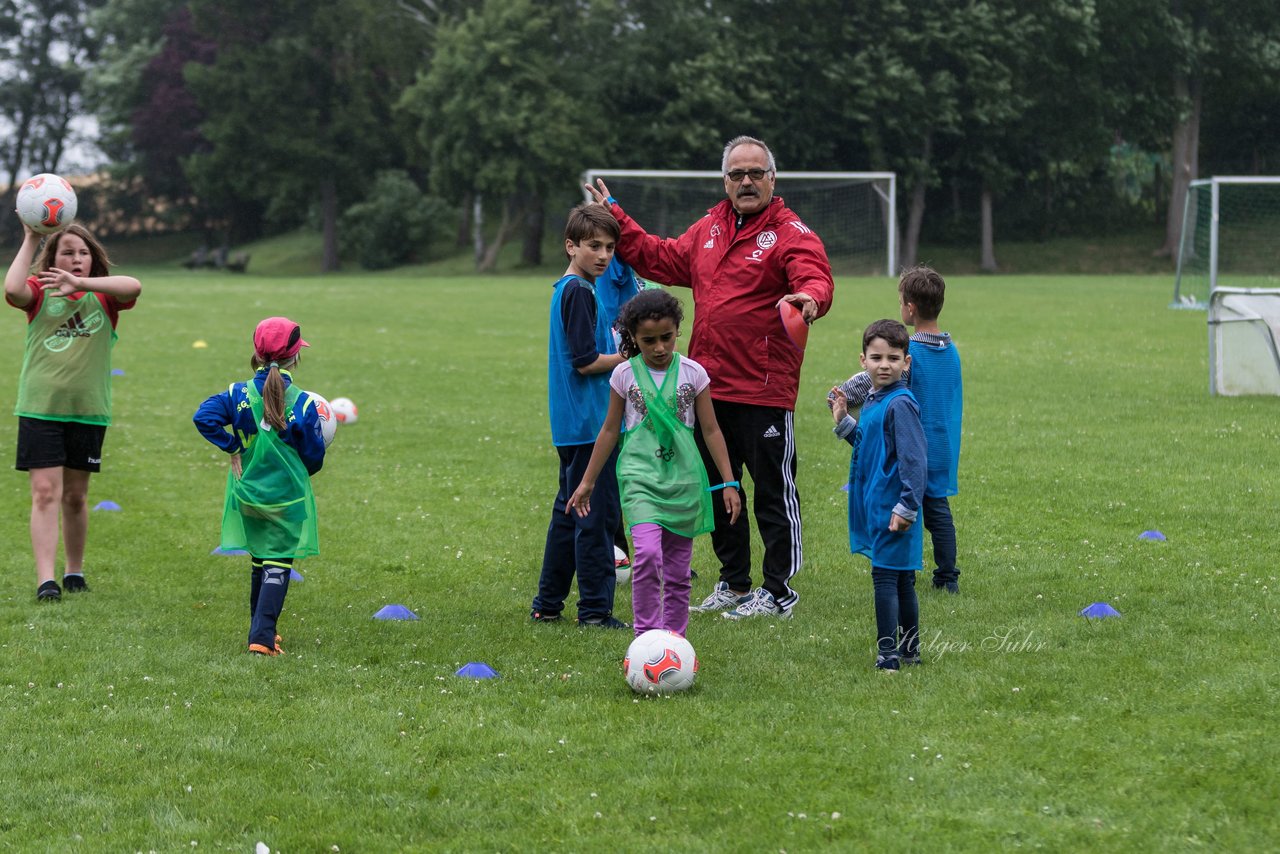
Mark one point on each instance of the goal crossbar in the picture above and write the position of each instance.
(1192, 212)
(883, 184)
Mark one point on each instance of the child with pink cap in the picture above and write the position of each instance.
(271, 429)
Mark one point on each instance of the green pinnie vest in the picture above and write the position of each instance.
(661, 476)
(66, 369)
(270, 510)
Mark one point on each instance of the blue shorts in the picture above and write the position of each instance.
(51, 444)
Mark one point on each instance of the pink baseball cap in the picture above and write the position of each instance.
(278, 338)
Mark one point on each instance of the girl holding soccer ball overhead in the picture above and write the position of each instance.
(273, 431)
(73, 304)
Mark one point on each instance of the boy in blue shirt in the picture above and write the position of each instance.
(581, 355)
(934, 378)
(887, 474)
(614, 288)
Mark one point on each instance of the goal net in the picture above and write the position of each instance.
(1229, 229)
(853, 212)
(1244, 327)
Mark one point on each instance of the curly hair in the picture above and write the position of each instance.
(649, 304)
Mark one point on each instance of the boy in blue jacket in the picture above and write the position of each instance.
(934, 378)
(887, 475)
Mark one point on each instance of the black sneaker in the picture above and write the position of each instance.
(604, 623)
(541, 617)
(949, 586)
(74, 583)
(910, 659)
(887, 662)
(49, 592)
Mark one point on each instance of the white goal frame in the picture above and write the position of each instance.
(1186, 239)
(1244, 327)
(889, 198)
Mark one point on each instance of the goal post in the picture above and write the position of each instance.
(1228, 239)
(1244, 341)
(855, 213)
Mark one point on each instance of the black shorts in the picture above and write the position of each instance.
(49, 444)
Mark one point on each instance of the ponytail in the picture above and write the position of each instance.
(273, 390)
(273, 398)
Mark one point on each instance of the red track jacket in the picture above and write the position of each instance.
(737, 280)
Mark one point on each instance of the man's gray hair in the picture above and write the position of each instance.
(746, 140)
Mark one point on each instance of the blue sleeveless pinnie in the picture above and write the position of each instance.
(936, 384)
(874, 489)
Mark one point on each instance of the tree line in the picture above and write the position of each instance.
(396, 126)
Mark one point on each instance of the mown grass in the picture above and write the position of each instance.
(135, 721)
(297, 253)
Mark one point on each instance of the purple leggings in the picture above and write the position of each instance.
(660, 580)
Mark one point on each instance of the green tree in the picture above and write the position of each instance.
(685, 77)
(508, 112)
(149, 118)
(898, 93)
(396, 224)
(297, 104)
(132, 34)
(44, 47)
(1235, 46)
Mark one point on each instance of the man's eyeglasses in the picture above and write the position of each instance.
(737, 175)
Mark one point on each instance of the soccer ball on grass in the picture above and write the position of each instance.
(344, 410)
(660, 662)
(46, 203)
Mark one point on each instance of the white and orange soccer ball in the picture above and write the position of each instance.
(46, 203)
(328, 421)
(660, 662)
(344, 410)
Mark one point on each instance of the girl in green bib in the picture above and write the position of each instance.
(72, 303)
(272, 430)
(659, 395)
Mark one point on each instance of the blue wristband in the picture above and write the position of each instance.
(733, 483)
(610, 200)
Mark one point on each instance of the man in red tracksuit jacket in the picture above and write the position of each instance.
(748, 254)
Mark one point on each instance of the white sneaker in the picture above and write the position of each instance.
(759, 604)
(721, 599)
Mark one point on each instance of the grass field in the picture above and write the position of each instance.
(135, 721)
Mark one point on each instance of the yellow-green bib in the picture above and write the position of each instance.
(270, 510)
(661, 477)
(66, 369)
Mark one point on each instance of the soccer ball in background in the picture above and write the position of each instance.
(621, 565)
(344, 410)
(46, 203)
(328, 421)
(660, 662)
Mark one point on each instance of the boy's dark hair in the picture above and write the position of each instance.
(589, 219)
(923, 286)
(649, 304)
(893, 333)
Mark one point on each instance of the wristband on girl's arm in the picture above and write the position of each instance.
(733, 483)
